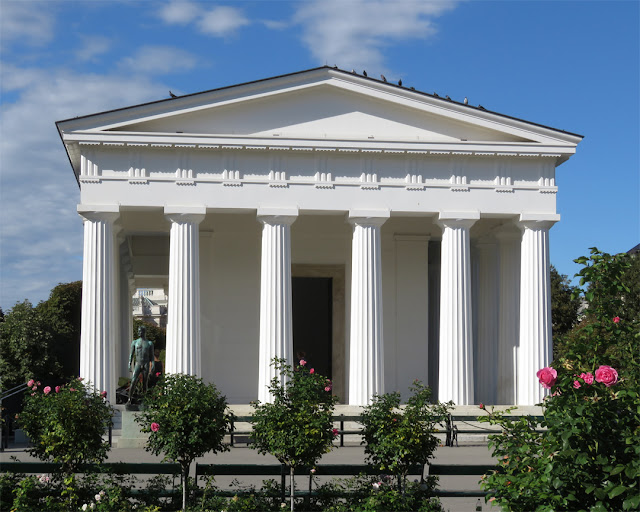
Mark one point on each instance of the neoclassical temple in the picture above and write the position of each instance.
(383, 233)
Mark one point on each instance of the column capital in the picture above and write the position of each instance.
(99, 212)
(181, 214)
(458, 219)
(274, 215)
(537, 220)
(368, 217)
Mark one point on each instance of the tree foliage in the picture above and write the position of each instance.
(158, 335)
(66, 424)
(185, 419)
(397, 438)
(42, 342)
(564, 304)
(610, 293)
(297, 427)
(26, 347)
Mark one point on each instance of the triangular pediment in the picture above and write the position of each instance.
(320, 104)
(323, 111)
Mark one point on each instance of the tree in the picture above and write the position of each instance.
(564, 305)
(396, 439)
(26, 347)
(42, 342)
(297, 428)
(185, 419)
(610, 331)
(154, 333)
(66, 424)
(62, 312)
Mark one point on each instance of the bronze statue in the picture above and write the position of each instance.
(142, 351)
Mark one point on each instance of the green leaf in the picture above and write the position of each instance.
(617, 491)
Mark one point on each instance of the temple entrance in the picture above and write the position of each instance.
(312, 322)
(318, 296)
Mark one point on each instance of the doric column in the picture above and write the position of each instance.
(183, 323)
(535, 348)
(509, 314)
(456, 340)
(486, 351)
(366, 349)
(276, 334)
(99, 325)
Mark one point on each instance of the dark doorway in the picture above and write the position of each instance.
(312, 322)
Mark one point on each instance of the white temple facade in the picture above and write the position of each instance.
(386, 234)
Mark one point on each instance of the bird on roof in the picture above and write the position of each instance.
(353, 71)
(436, 94)
(364, 72)
(335, 66)
(466, 101)
(481, 107)
(412, 88)
(400, 82)
(448, 98)
(172, 95)
(384, 78)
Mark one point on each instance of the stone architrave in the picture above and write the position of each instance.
(535, 345)
(366, 349)
(183, 321)
(276, 332)
(456, 333)
(99, 312)
(509, 313)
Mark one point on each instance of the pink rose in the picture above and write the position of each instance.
(80, 379)
(335, 432)
(158, 374)
(606, 375)
(312, 371)
(481, 406)
(302, 362)
(47, 390)
(587, 378)
(616, 319)
(547, 376)
(57, 389)
(327, 388)
(30, 383)
(72, 389)
(155, 427)
(104, 395)
(576, 384)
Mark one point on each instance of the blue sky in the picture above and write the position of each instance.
(571, 65)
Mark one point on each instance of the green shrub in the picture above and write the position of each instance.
(297, 428)
(185, 419)
(66, 424)
(396, 439)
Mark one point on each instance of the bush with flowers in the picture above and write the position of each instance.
(587, 458)
(398, 438)
(185, 419)
(296, 428)
(66, 424)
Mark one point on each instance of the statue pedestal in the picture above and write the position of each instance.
(131, 436)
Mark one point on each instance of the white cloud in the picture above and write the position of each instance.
(159, 60)
(219, 21)
(26, 22)
(40, 233)
(92, 46)
(354, 34)
(179, 12)
(222, 21)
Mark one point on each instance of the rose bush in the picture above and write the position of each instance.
(185, 419)
(296, 428)
(588, 459)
